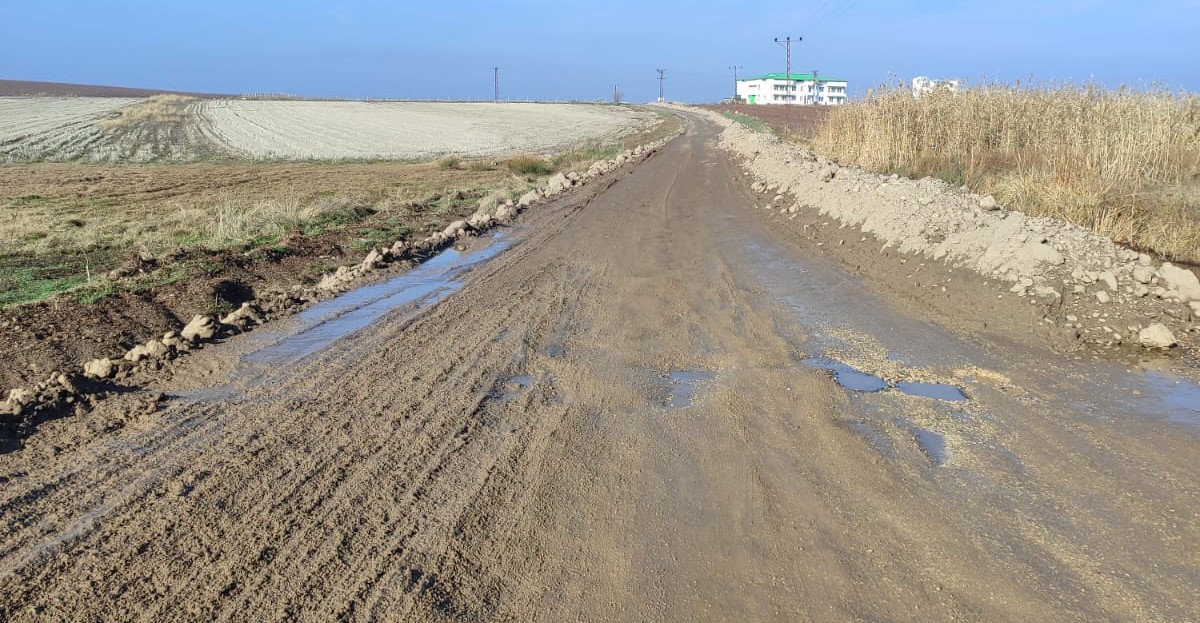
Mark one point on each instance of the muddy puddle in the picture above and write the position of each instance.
(856, 380)
(828, 304)
(684, 386)
(328, 321)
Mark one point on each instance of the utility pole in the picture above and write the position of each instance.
(662, 75)
(735, 69)
(496, 81)
(787, 44)
(817, 86)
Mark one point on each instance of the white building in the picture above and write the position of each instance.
(792, 89)
(924, 84)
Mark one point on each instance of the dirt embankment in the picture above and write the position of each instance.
(1097, 295)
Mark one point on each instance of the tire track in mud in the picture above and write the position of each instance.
(511, 454)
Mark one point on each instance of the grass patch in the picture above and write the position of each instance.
(449, 162)
(1123, 163)
(758, 125)
(529, 165)
(26, 284)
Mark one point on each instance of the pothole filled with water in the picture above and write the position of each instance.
(856, 380)
(685, 384)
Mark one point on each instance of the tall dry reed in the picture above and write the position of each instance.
(1124, 163)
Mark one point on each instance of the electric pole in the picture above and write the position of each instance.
(496, 82)
(662, 75)
(735, 69)
(787, 44)
(817, 86)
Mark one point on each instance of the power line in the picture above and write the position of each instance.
(662, 75)
(787, 44)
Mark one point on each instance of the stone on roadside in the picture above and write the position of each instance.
(1182, 280)
(528, 198)
(1144, 274)
(102, 368)
(989, 203)
(1103, 297)
(1156, 336)
(200, 328)
(1108, 279)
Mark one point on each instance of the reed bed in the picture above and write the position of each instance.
(1124, 163)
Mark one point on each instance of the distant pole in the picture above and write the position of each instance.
(787, 45)
(662, 75)
(735, 69)
(817, 86)
(496, 81)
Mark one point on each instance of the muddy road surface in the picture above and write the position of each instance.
(647, 402)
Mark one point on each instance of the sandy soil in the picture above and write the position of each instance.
(614, 420)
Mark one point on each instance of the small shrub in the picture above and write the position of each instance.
(449, 162)
(529, 165)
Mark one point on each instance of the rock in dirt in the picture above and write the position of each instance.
(989, 203)
(1156, 336)
(1144, 274)
(558, 183)
(1182, 280)
(528, 198)
(200, 328)
(102, 368)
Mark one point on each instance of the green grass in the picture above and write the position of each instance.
(758, 125)
(24, 284)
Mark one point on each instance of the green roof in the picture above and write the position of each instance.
(796, 77)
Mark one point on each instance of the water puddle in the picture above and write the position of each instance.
(932, 444)
(340, 316)
(849, 377)
(937, 391)
(856, 380)
(684, 386)
(1180, 398)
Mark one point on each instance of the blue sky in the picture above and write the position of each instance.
(559, 50)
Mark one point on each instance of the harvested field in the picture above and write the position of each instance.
(174, 128)
(54, 128)
(406, 130)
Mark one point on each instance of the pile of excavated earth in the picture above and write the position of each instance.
(1105, 296)
(80, 389)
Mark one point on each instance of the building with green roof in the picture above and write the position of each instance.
(810, 89)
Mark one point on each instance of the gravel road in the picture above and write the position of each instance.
(647, 402)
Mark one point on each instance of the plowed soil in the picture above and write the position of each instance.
(614, 420)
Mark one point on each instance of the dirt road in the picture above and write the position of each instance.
(621, 410)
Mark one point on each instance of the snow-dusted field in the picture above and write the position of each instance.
(83, 129)
(54, 128)
(298, 129)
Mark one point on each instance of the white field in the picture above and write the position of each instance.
(56, 128)
(69, 128)
(297, 129)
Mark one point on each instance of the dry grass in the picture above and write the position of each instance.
(157, 109)
(1124, 163)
